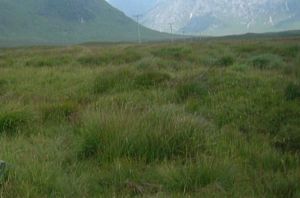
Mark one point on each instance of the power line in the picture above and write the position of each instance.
(138, 27)
(171, 28)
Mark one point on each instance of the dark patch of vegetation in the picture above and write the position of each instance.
(125, 57)
(90, 145)
(2, 86)
(225, 61)
(118, 80)
(59, 112)
(266, 61)
(177, 53)
(47, 62)
(150, 79)
(13, 122)
(283, 187)
(292, 91)
(288, 138)
(4, 173)
(290, 51)
(164, 143)
(195, 178)
(191, 88)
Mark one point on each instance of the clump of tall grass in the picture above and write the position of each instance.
(279, 186)
(59, 112)
(180, 141)
(3, 173)
(2, 86)
(225, 60)
(266, 61)
(13, 122)
(292, 91)
(90, 144)
(119, 58)
(289, 51)
(151, 78)
(45, 61)
(191, 88)
(193, 178)
(288, 138)
(154, 137)
(113, 80)
(240, 67)
(173, 53)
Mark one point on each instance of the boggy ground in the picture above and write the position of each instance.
(204, 119)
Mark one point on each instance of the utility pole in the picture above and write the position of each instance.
(171, 28)
(183, 34)
(138, 27)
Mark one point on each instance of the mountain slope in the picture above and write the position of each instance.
(66, 21)
(219, 17)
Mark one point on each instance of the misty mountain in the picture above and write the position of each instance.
(219, 17)
(66, 21)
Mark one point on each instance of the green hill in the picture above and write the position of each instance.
(66, 21)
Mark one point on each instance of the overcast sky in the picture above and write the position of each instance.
(132, 7)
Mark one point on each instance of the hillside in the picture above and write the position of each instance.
(65, 21)
(224, 17)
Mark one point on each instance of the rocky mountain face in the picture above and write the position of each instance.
(219, 17)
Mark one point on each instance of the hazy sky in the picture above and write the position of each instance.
(132, 7)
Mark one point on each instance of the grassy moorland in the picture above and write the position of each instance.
(205, 119)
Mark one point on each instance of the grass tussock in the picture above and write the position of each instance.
(113, 80)
(266, 61)
(191, 178)
(226, 60)
(47, 62)
(65, 111)
(173, 53)
(125, 57)
(11, 123)
(292, 91)
(2, 86)
(191, 89)
(151, 78)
